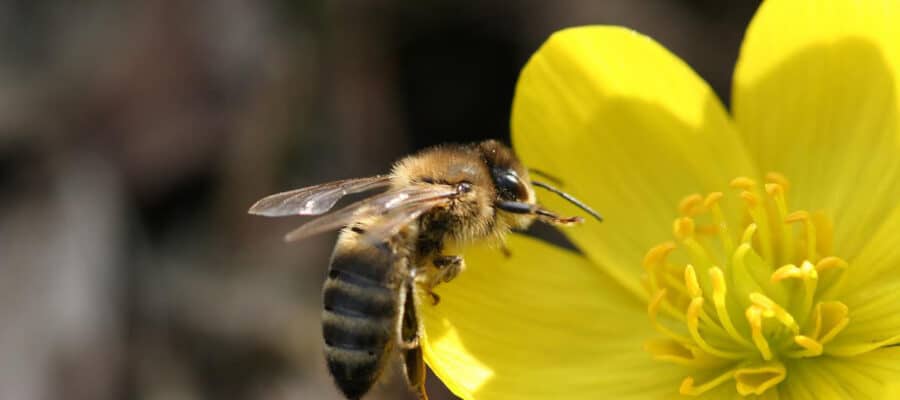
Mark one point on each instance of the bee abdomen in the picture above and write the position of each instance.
(359, 317)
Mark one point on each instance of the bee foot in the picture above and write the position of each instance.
(449, 267)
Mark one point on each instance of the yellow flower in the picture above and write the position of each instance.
(750, 253)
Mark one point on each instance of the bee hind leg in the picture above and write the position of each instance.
(406, 338)
(413, 362)
(414, 370)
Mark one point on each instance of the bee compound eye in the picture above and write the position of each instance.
(464, 187)
(508, 184)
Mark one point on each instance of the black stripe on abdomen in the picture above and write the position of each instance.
(359, 317)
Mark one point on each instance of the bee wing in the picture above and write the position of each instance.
(315, 200)
(399, 206)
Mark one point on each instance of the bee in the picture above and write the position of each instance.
(391, 247)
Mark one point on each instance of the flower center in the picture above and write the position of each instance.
(739, 299)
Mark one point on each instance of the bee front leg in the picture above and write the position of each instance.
(448, 268)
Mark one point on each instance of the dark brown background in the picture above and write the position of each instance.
(134, 135)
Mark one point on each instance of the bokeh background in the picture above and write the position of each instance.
(135, 134)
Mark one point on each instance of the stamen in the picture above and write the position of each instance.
(687, 387)
(830, 262)
(720, 289)
(712, 203)
(691, 205)
(811, 347)
(754, 317)
(776, 191)
(690, 281)
(770, 268)
(678, 353)
(756, 380)
(774, 177)
(803, 216)
(747, 237)
(830, 319)
(758, 213)
(653, 311)
(654, 260)
(743, 182)
(693, 315)
(769, 307)
(683, 228)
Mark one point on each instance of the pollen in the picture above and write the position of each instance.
(737, 296)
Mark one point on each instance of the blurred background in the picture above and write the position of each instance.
(135, 134)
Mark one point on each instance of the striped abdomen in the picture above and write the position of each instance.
(359, 319)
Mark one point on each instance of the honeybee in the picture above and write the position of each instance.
(391, 247)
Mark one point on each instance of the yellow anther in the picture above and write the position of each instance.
(756, 380)
(691, 205)
(829, 263)
(712, 199)
(781, 180)
(683, 228)
(751, 199)
(774, 189)
(811, 347)
(742, 182)
(690, 281)
(754, 317)
(785, 272)
(770, 308)
(797, 216)
(657, 254)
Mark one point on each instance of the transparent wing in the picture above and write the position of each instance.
(391, 223)
(315, 200)
(398, 206)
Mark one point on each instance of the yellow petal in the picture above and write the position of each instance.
(544, 324)
(630, 129)
(870, 376)
(871, 289)
(815, 97)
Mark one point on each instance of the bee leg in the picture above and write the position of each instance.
(505, 250)
(448, 268)
(404, 307)
(414, 370)
(413, 363)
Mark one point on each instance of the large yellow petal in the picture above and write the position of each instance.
(630, 129)
(871, 289)
(541, 324)
(815, 97)
(870, 376)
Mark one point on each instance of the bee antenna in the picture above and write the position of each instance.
(552, 178)
(569, 197)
